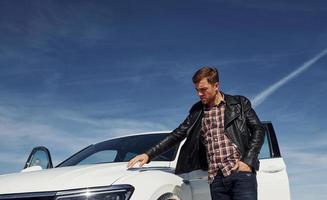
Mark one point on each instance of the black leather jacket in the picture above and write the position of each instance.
(241, 124)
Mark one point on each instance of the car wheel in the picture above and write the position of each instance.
(169, 196)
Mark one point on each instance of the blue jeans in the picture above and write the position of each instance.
(237, 186)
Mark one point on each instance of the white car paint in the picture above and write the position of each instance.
(149, 182)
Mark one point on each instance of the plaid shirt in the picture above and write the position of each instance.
(222, 154)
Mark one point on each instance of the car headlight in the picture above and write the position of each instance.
(115, 192)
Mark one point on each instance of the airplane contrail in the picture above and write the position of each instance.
(259, 98)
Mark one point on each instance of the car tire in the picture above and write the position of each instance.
(169, 196)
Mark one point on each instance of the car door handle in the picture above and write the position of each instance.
(195, 179)
(272, 169)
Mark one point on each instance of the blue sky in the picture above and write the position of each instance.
(78, 72)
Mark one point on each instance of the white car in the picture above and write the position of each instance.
(99, 172)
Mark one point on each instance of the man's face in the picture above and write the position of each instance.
(206, 91)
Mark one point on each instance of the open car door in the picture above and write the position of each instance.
(272, 176)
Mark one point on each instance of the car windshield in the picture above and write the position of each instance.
(120, 150)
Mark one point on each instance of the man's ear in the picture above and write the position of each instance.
(217, 86)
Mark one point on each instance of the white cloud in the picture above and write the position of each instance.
(20, 132)
(261, 97)
(13, 158)
(309, 159)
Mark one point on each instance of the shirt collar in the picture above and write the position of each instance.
(220, 99)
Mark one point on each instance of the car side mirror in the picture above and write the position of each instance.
(32, 169)
(40, 156)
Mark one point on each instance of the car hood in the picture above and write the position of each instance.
(65, 178)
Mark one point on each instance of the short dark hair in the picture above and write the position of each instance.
(211, 73)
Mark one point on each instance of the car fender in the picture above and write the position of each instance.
(150, 185)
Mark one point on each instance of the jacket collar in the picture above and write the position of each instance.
(232, 111)
(230, 100)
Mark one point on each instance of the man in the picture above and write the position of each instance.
(224, 136)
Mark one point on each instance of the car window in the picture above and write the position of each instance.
(100, 157)
(265, 149)
(120, 150)
(129, 155)
(40, 158)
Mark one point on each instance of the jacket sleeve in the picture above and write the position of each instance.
(173, 138)
(257, 133)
